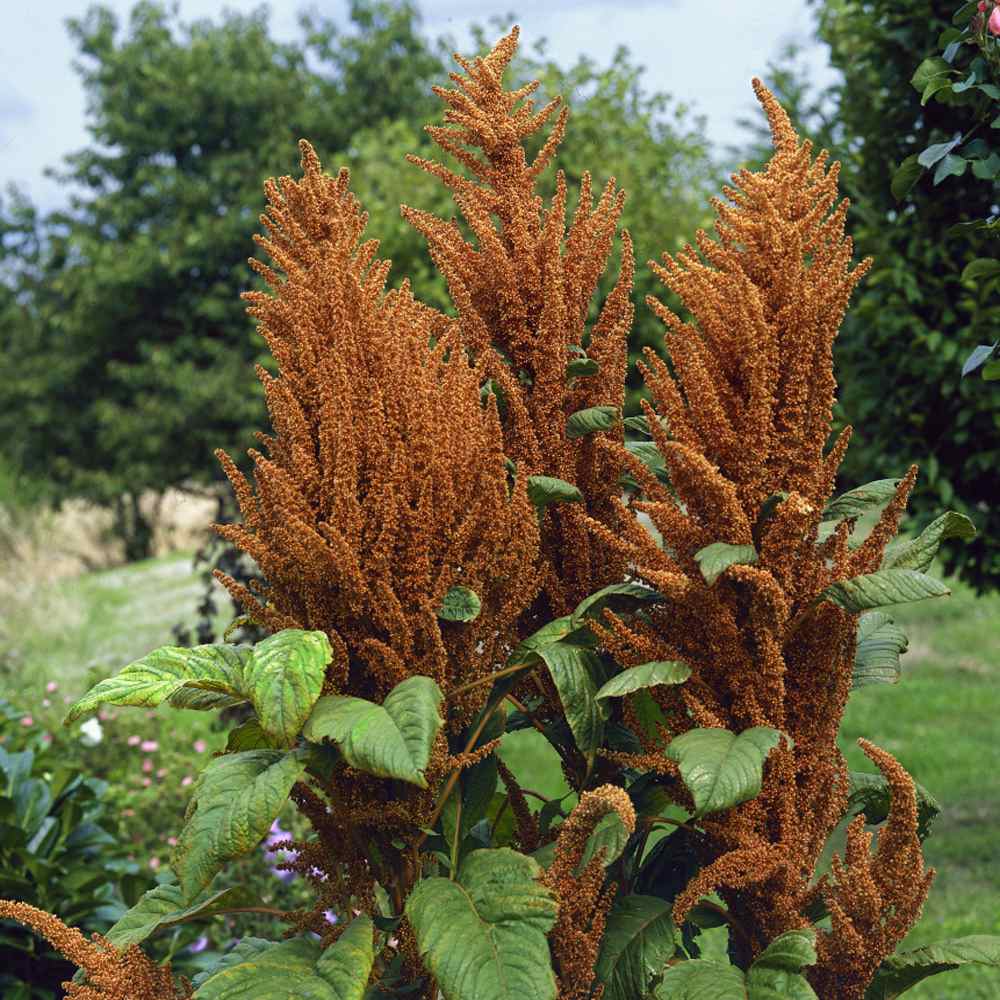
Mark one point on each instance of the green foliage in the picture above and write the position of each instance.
(391, 740)
(460, 604)
(907, 968)
(645, 675)
(720, 768)
(483, 935)
(871, 795)
(919, 313)
(882, 589)
(638, 942)
(881, 642)
(716, 558)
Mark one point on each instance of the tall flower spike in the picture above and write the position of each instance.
(746, 406)
(522, 289)
(384, 484)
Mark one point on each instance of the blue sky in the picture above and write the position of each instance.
(703, 53)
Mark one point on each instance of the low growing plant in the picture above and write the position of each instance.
(457, 540)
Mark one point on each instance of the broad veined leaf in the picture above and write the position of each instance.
(870, 794)
(581, 367)
(701, 979)
(248, 736)
(883, 588)
(164, 906)
(722, 769)
(907, 968)
(637, 944)
(617, 597)
(561, 629)
(777, 972)
(214, 673)
(391, 740)
(855, 502)
(881, 642)
(484, 935)
(919, 553)
(245, 949)
(297, 970)
(283, 678)
(609, 835)
(236, 799)
(347, 963)
(713, 560)
(645, 675)
(591, 420)
(572, 669)
(543, 490)
(460, 604)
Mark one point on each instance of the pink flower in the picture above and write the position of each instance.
(200, 746)
(149, 746)
(172, 841)
(982, 6)
(51, 686)
(46, 737)
(162, 773)
(186, 780)
(147, 766)
(154, 863)
(146, 782)
(103, 716)
(134, 741)
(27, 720)
(994, 22)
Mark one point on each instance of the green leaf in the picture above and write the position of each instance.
(543, 490)
(991, 371)
(880, 589)
(855, 502)
(978, 357)
(777, 972)
(284, 678)
(645, 675)
(617, 597)
(591, 421)
(927, 70)
(214, 672)
(391, 740)
(701, 979)
(248, 736)
(483, 937)
(907, 968)
(347, 964)
(649, 455)
(870, 794)
(937, 152)
(934, 86)
(526, 651)
(581, 367)
(907, 174)
(637, 944)
(460, 604)
(981, 267)
(572, 669)
(164, 906)
(881, 642)
(987, 169)
(951, 166)
(283, 971)
(716, 558)
(609, 835)
(236, 799)
(722, 769)
(919, 553)
(246, 948)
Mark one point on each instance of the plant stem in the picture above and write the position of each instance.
(490, 678)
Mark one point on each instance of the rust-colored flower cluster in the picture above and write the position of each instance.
(742, 417)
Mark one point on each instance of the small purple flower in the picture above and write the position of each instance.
(331, 917)
(199, 944)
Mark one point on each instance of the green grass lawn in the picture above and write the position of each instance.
(941, 721)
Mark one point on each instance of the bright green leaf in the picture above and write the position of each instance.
(572, 670)
(716, 558)
(871, 794)
(907, 968)
(637, 944)
(347, 964)
(881, 642)
(702, 980)
(777, 972)
(283, 971)
(883, 588)
(919, 553)
(617, 597)
(722, 769)
(591, 421)
(284, 678)
(609, 835)
(645, 675)
(543, 490)
(460, 604)
(855, 502)
(484, 935)
(928, 69)
(981, 267)
(391, 740)
(236, 799)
